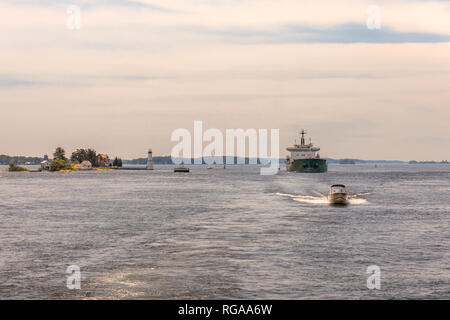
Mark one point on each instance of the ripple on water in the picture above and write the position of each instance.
(225, 234)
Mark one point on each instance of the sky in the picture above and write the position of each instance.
(137, 70)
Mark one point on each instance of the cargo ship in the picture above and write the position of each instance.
(305, 157)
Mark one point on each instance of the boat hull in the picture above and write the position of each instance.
(307, 165)
(338, 198)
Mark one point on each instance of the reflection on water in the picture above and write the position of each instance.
(225, 233)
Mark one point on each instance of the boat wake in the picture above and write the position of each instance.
(304, 199)
(322, 199)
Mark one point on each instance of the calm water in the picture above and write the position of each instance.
(226, 233)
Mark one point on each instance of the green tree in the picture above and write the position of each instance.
(14, 168)
(59, 164)
(60, 154)
(79, 156)
(92, 157)
(117, 162)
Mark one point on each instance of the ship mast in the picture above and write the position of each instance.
(303, 137)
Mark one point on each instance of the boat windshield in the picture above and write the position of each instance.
(338, 188)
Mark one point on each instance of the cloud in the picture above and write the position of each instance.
(346, 33)
(89, 4)
(267, 15)
(8, 81)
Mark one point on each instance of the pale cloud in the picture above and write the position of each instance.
(398, 15)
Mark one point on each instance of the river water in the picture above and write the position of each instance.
(231, 233)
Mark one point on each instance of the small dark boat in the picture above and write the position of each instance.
(181, 169)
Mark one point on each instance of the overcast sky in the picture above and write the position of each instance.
(137, 70)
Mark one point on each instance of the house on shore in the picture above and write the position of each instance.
(85, 165)
(45, 166)
(103, 160)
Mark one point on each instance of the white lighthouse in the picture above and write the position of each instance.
(150, 160)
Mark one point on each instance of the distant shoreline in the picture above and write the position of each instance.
(166, 160)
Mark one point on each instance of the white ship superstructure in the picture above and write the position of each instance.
(303, 150)
(305, 157)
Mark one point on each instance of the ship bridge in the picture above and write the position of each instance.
(303, 150)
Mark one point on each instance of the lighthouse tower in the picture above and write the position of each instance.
(150, 160)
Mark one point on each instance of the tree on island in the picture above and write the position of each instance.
(60, 154)
(117, 163)
(59, 164)
(14, 168)
(81, 155)
(92, 157)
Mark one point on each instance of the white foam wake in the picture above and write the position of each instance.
(304, 199)
(320, 199)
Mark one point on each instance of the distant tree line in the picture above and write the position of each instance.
(428, 162)
(168, 160)
(19, 160)
(80, 155)
(156, 160)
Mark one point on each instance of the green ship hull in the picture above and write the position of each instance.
(307, 165)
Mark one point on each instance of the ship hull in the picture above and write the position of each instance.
(307, 165)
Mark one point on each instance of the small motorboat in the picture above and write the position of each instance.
(181, 169)
(338, 194)
(209, 167)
